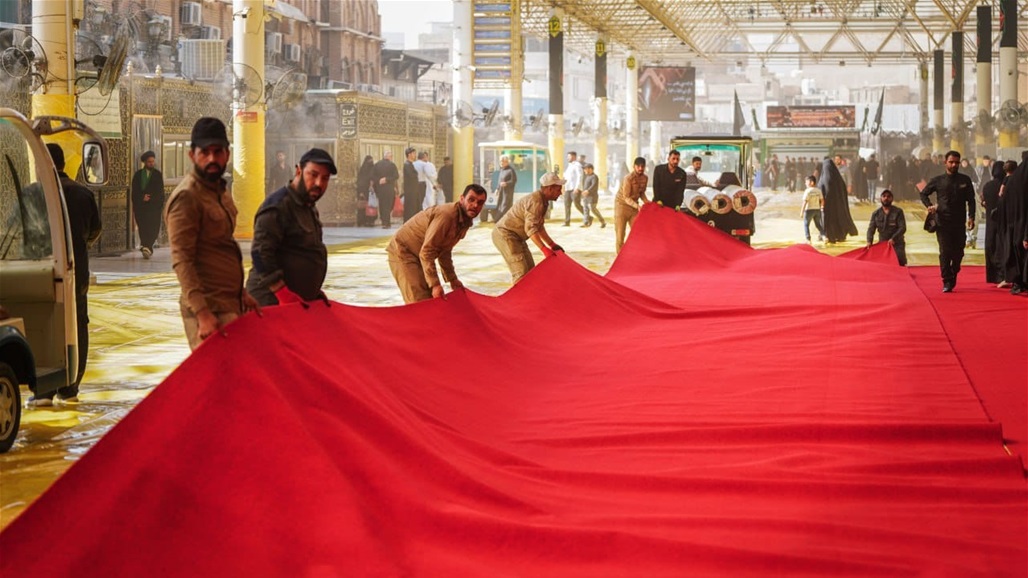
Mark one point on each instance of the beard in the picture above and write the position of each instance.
(211, 176)
(301, 188)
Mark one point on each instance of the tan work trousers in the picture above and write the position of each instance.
(515, 252)
(410, 278)
(192, 325)
(624, 216)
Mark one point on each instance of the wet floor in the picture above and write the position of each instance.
(136, 336)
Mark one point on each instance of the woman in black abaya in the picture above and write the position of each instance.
(1014, 207)
(838, 221)
(993, 225)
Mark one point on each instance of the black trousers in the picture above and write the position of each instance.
(951, 252)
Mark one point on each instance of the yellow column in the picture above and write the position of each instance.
(248, 120)
(51, 26)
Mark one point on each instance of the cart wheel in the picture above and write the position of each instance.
(10, 407)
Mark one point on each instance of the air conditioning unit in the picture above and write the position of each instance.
(273, 43)
(210, 33)
(202, 59)
(337, 85)
(291, 52)
(191, 14)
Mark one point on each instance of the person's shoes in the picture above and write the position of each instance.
(40, 402)
(584, 225)
(68, 394)
(146, 251)
(947, 288)
(1018, 290)
(567, 224)
(603, 224)
(820, 239)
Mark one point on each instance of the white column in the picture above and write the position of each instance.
(463, 137)
(656, 150)
(600, 146)
(631, 109)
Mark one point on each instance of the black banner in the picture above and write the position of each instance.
(811, 117)
(601, 69)
(1008, 24)
(556, 66)
(937, 81)
(984, 34)
(957, 90)
(667, 93)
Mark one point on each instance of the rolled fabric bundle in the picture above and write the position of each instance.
(698, 204)
(720, 203)
(743, 201)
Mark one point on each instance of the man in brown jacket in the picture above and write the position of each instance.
(527, 221)
(428, 236)
(201, 219)
(626, 202)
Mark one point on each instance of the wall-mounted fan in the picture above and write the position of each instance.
(577, 126)
(535, 121)
(22, 57)
(239, 84)
(489, 114)
(983, 123)
(1008, 117)
(463, 115)
(287, 91)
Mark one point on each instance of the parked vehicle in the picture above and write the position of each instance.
(38, 336)
(728, 206)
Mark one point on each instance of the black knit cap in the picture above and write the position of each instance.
(209, 131)
(147, 155)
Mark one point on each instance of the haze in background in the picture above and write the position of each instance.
(412, 17)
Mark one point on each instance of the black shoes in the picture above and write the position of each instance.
(947, 288)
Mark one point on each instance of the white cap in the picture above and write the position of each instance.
(550, 179)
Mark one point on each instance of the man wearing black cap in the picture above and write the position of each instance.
(289, 257)
(84, 221)
(201, 219)
(148, 202)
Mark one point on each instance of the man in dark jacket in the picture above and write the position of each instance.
(954, 197)
(891, 226)
(413, 194)
(446, 179)
(148, 202)
(289, 257)
(84, 218)
(669, 182)
(385, 176)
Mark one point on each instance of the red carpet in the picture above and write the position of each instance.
(703, 410)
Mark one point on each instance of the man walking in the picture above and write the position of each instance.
(871, 169)
(446, 179)
(527, 221)
(627, 201)
(430, 236)
(506, 182)
(289, 257)
(953, 192)
(84, 220)
(891, 226)
(813, 204)
(280, 174)
(591, 196)
(573, 178)
(669, 182)
(201, 219)
(148, 202)
(385, 176)
(412, 188)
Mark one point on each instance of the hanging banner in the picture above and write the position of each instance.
(811, 117)
(667, 93)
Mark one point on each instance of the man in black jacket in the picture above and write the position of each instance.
(669, 182)
(385, 177)
(84, 218)
(289, 257)
(413, 194)
(954, 194)
(148, 202)
(891, 226)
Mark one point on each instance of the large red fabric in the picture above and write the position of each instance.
(703, 410)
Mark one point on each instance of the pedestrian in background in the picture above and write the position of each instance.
(365, 187)
(630, 195)
(591, 196)
(446, 179)
(84, 222)
(148, 202)
(429, 237)
(993, 227)
(280, 173)
(506, 183)
(891, 226)
(837, 218)
(527, 221)
(813, 205)
(573, 178)
(871, 169)
(201, 221)
(289, 256)
(386, 177)
(412, 188)
(953, 192)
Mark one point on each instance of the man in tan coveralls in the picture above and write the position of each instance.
(626, 202)
(201, 219)
(527, 221)
(430, 235)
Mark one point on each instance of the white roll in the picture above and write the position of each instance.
(698, 204)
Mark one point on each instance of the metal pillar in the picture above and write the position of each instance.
(983, 139)
(957, 129)
(631, 110)
(922, 72)
(600, 116)
(556, 128)
(937, 112)
(51, 26)
(247, 119)
(463, 137)
(1008, 73)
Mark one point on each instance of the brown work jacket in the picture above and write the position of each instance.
(526, 218)
(431, 235)
(633, 187)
